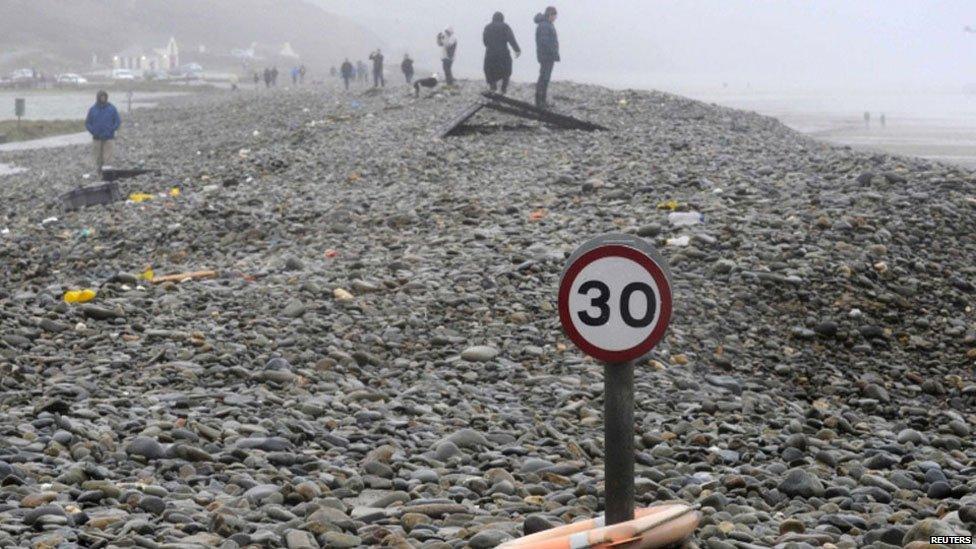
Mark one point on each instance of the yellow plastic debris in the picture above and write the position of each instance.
(174, 192)
(668, 205)
(79, 296)
(148, 274)
(139, 197)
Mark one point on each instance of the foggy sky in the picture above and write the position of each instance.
(776, 44)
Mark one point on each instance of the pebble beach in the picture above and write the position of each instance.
(376, 357)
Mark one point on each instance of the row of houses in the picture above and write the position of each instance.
(168, 58)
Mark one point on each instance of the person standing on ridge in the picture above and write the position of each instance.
(498, 61)
(448, 43)
(274, 76)
(361, 72)
(377, 58)
(547, 51)
(347, 72)
(102, 122)
(407, 68)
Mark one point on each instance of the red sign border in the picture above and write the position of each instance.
(663, 286)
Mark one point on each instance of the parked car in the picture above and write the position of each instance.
(22, 75)
(71, 78)
(123, 74)
(190, 71)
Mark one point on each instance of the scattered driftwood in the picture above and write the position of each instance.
(181, 277)
(514, 107)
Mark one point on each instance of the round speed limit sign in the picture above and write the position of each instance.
(615, 298)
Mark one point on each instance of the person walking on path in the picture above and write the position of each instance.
(547, 51)
(267, 77)
(407, 68)
(377, 59)
(274, 76)
(347, 73)
(448, 43)
(498, 61)
(102, 122)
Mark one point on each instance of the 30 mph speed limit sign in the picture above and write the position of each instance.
(615, 298)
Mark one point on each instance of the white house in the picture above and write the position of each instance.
(158, 59)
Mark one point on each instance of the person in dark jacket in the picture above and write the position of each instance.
(102, 122)
(407, 68)
(498, 61)
(377, 58)
(547, 51)
(347, 73)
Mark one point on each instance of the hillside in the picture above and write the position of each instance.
(53, 35)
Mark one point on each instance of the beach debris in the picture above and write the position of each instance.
(342, 295)
(94, 195)
(685, 219)
(139, 198)
(79, 296)
(183, 277)
(513, 107)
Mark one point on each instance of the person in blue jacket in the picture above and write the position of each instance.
(102, 122)
(547, 51)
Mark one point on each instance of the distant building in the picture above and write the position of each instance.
(156, 59)
(287, 51)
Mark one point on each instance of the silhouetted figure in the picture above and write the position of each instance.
(377, 58)
(882, 120)
(257, 80)
(274, 76)
(547, 51)
(267, 78)
(407, 68)
(498, 61)
(429, 83)
(348, 73)
(448, 43)
(301, 74)
(294, 76)
(867, 119)
(361, 72)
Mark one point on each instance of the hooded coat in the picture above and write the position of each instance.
(497, 38)
(546, 40)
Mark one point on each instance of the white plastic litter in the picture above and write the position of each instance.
(685, 219)
(679, 241)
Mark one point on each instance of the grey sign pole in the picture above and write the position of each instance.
(588, 323)
(618, 436)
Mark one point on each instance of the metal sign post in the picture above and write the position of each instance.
(615, 305)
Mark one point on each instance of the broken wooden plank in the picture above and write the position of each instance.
(195, 275)
(543, 115)
(452, 127)
(114, 174)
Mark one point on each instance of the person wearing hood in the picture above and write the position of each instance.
(498, 61)
(407, 68)
(547, 51)
(448, 43)
(102, 122)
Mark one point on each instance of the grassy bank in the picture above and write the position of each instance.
(36, 129)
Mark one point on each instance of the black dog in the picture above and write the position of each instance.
(430, 82)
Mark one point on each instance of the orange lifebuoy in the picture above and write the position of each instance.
(652, 527)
